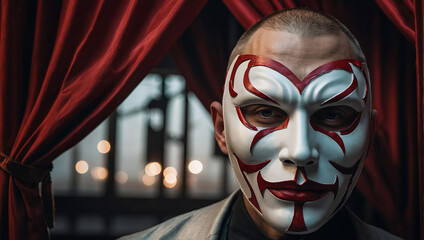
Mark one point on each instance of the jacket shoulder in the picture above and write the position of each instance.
(204, 223)
(366, 231)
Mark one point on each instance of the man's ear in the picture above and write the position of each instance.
(218, 124)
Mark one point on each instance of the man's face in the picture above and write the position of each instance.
(296, 115)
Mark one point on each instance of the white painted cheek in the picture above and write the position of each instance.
(244, 186)
(278, 213)
(356, 143)
(318, 212)
(238, 139)
(238, 136)
(275, 171)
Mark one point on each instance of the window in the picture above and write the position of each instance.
(126, 175)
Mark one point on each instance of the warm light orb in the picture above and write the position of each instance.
(169, 171)
(148, 180)
(103, 146)
(81, 167)
(121, 177)
(195, 167)
(99, 173)
(153, 168)
(170, 177)
(171, 184)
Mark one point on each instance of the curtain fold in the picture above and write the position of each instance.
(402, 14)
(387, 33)
(64, 67)
(201, 53)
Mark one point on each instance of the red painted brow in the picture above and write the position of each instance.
(248, 85)
(343, 94)
(300, 85)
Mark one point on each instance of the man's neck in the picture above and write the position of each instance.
(263, 226)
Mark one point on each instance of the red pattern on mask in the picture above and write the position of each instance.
(333, 135)
(251, 168)
(267, 131)
(347, 171)
(243, 120)
(343, 94)
(300, 85)
(298, 222)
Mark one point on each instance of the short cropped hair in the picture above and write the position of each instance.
(300, 21)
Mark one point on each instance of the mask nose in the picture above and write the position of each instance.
(299, 149)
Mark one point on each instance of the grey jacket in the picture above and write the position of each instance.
(211, 222)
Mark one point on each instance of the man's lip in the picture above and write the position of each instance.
(291, 191)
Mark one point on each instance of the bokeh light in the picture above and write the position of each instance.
(81, 167)
(195, 167)
(103, 146)
(121, 177)
(99, 173)
(148, 180)
(171, 183)
(170, 177)
(153, 168)
(169, 171)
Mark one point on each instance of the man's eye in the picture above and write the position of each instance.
(263, 115)
(266, 112)
(335, 118)
(332, 116)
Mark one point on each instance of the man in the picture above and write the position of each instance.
(296, 121)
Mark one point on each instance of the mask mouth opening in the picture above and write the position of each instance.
(292, 191)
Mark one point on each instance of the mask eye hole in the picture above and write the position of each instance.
(265, 116)
(336, 118)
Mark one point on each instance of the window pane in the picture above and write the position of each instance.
(133, 119)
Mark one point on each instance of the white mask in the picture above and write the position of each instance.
(298, 173)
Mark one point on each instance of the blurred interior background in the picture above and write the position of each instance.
(153, 158)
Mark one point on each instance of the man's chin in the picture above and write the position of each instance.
(285, 228)
(297, 218)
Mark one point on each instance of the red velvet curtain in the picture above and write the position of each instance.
(391, 35)
(64, 67)
(201, 53)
